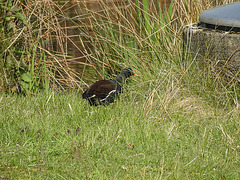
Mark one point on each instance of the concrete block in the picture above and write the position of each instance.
(219, 49)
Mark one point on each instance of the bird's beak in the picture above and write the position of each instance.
(133, 73)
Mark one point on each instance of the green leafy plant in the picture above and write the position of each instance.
(26, 55)
(12, 24)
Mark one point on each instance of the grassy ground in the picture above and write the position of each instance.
(60, 136)
(173, 121)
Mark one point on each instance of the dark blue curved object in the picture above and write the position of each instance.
(225, 16)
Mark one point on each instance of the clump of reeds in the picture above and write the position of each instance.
(68, 44)
(34, 52)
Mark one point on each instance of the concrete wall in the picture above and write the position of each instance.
(219, 49)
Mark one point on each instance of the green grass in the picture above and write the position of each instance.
(184, 139)
(173, 121)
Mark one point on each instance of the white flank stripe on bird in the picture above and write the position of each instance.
(113, 91)
(92, 96)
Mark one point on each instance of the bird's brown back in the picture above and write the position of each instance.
(101, 88)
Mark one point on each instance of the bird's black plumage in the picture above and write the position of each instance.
(104, 92)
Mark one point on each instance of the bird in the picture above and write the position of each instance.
(104, 92)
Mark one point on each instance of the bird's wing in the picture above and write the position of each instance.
(101, 88)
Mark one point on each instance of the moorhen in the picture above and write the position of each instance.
(104, 92)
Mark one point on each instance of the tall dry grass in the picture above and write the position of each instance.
(69, 44)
